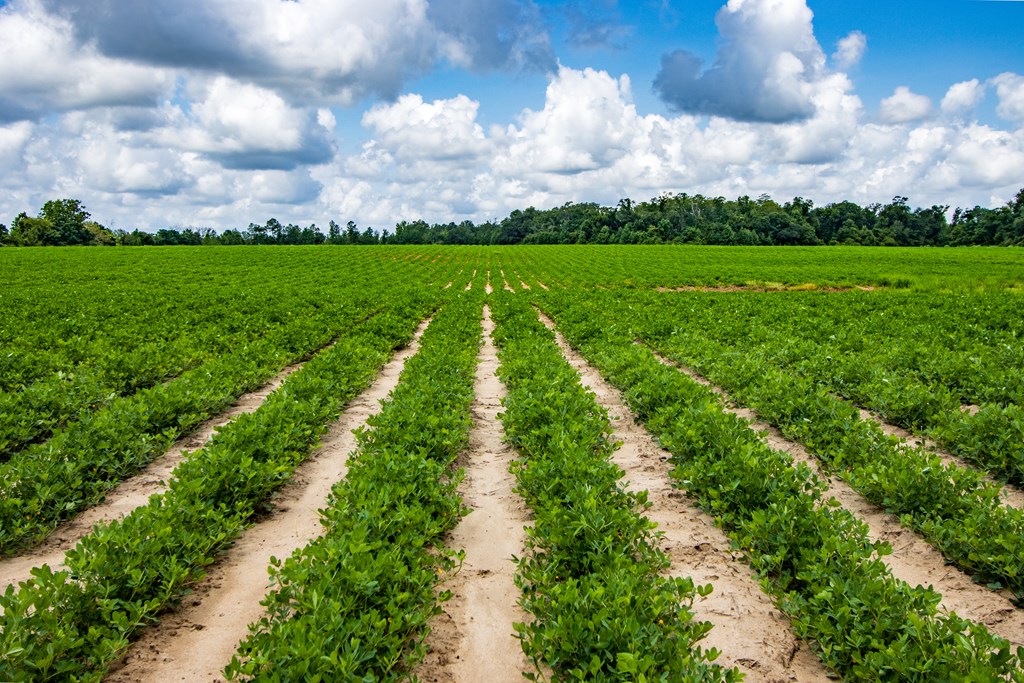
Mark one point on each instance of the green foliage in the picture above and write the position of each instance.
(71, 624)
(354, 604)
(816, 559)
(591, 576)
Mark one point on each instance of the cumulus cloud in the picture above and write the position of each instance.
(904, 106)
(1010, 89)
(443, 130)
(334, 51)
(850, 50)
(767, 68)
(962, 97)
(585, 125)
(43, 70)
(244, 126)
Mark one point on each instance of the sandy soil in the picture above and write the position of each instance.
(487, 284)
(522, 283)
(474, 635)
(1011, 495)
(508, 287)
(542, 285)
(469, 285)
(132, 492)
(748, 630)
(913, 559)
(197, 640)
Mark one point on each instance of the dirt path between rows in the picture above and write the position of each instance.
(1010, 495)
(913, 559)
(133, 491)
(474, 635)
(195, 642)
(748, 630)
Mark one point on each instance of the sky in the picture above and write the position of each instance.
(219, 113)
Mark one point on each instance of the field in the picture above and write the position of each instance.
(465, 464)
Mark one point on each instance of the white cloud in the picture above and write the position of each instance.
(850, 50)
(43, 70)
(246, 126)
(905, 106)
(443, 130)
(767, 68)
(1010, 89)
(962, 97)
(13, 138)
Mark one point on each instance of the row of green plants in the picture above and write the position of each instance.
(355, 603)
(71, 624)
(880, 351)
(814, 557)
(53, 481)
(953, 507)
(67, 350)
(592, 575)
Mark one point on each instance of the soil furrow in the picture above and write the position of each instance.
(913, 559)
(1010, 495)
(474, 635)
(196, 641)
(749, 631)
(133, 491)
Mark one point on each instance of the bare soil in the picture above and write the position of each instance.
(508, 288)
(748, 630)
(196, 641)
(913, 559)
(132, 492)
(474, 634)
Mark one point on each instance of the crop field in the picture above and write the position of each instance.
(497, 464)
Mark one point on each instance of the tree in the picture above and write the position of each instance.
(68, 217)
(3, 233)
(99, 235)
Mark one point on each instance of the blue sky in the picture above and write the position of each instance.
(186, 112)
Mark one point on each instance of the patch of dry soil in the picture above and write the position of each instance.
(196, 641)
(473, 639)
(748, 630)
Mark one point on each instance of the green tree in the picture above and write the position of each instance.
(68, 217)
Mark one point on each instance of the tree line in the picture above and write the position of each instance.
(679, 219)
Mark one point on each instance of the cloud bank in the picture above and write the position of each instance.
(222, 112)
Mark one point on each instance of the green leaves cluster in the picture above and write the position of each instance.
(592, 573)
(952, 506)
(354, 604)
(69, 625)
(815, 559)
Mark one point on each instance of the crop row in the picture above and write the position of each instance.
(52, 481)
(882, 351)
(815, 558)
(65, 355)
(354, 603)
(591, 576)
(951, 506)
(71, 624)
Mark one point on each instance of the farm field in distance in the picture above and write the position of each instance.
(607, 463)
